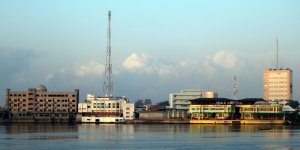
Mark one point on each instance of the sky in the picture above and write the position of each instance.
(158, 47)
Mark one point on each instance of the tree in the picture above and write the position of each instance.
(164, 103)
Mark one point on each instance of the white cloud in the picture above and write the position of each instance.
(136, 61)
(62, 71)
(49, 77)
(224, 59)
(143, 63)
(92, 68)
(210, 70)
(187, 63)
(166, 71)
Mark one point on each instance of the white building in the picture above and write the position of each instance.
(180, 101)
(104, 109)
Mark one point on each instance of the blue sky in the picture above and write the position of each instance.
(158, 47)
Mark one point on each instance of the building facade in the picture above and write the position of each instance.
(277, 84)
(180, 101)
(40, 103)
(104, 109)
(221, 110)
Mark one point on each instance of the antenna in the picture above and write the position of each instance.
(277, 64)
(108, 84)
(235, 90)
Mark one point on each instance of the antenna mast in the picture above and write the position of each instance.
(277, 64)
(108, 84)
(235, 90)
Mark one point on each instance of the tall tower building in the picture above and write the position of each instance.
(277, 84)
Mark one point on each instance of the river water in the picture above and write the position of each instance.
(148, 136)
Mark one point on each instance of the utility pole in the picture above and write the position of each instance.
(108, 84)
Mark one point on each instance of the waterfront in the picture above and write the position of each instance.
(148, 136)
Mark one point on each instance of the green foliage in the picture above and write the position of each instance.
(164, 103)
(293, 103)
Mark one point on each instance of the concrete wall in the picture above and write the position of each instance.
(162, 115)
(93, 119)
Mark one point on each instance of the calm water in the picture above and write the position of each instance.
(143, 136)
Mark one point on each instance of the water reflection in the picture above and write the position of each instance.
(148, 136)
(39, 127)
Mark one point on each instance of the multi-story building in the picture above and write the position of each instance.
(104, 109)
(180, 101)
(40, 103)
(277, 84)
(245, 111)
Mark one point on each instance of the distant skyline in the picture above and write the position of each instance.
(158, 47)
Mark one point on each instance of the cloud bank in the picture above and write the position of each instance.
(92, 68)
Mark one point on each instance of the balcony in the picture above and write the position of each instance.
(181, 103)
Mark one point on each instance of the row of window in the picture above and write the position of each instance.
(58, 100)
(277, 77)
(208, 108)
(258, 109)
(277, 82)
(278, 96)
(41, 105)
(41, 100)
(285, 87)
(109, 105)
(45, 110)
(42, 95)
